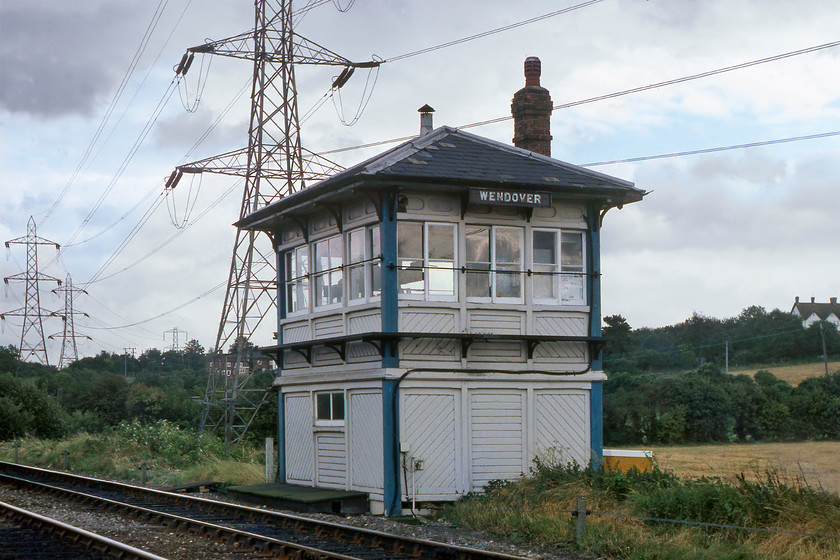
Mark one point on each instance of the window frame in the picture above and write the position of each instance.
(494, 264)
(427, 260)
(370, 264)
(561, 273)
(299, 281)
(332, 420)
(331, 272)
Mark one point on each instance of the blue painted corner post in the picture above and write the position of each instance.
(596, 392)
(390, 359)
(281, 414)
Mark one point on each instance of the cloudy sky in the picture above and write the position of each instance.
(91, 124)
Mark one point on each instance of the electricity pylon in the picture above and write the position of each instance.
(31, 311)
(69, 349)
(274, 165)
(175, 331)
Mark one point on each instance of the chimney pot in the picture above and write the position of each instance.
(426, 125)
(833, 301)
(533, 69)
(797, 299)
(812, 299)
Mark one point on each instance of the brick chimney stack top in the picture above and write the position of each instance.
(533, 69)
(531, 109)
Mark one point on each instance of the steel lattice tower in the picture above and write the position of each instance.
(69, 350)
(31, 311)
(274, 165)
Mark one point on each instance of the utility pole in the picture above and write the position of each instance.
(125, 361)
(69, 349)
(274, 165)
(825, 354)
(31, 312)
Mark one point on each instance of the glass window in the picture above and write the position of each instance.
(558, 266)
(426, 247)
(328, 272)
(572, 267)
(297, 279)
(363, 263)
(494, 262)
(329, 407)
(410, 271)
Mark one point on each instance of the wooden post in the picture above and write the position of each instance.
(16, 445)
(143, 468)
(580, 527)
(269, 459)
(64, 455)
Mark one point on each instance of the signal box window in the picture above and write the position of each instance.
(329, 408)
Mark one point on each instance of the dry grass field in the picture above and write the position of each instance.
(815, 461)
(792, 374)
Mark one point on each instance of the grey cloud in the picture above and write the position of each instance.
(52, 56)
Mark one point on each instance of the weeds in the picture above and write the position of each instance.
(537, 509)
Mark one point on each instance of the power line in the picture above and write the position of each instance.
(492, 31)
(718, 149)
(610, 95)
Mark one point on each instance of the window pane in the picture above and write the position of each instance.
(478, 244)
(508, 284)
(545, 247)
(337, 406)
(322, 290)
(478, 258)
(410, 276)
(322, 256)
(357, 282)
(545, 282)
(441, 278)
(322, 405)
(572, 251)
(508, 245)
(478, 283)
(356, 241)
(375, 266)
(441, 242)
(410, 241)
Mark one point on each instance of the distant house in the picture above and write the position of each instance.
(812, 312)
(227, 362)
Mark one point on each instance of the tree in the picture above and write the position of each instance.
(617, 334)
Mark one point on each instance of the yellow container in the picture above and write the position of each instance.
(625, 459)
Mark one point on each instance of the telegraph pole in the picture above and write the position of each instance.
(274, 165)
(125, 361)
(69, 349)
(31, 312)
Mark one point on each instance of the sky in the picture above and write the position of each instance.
(91, 124)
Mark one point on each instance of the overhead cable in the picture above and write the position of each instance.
(719, 149)
(492, 31)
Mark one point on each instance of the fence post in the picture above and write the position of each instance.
(16, 445)
(64, 455)
(143, 468)
(269, 459)
(580, 527)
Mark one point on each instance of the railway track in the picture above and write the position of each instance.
(268, 532)
(26, 534)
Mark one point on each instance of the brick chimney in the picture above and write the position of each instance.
(531, 108)
(833, 300)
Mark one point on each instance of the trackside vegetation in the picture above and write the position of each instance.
(536, 509)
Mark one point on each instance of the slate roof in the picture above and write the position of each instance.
(822, 310)
(451, 157)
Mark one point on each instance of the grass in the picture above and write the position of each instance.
(792, 374)
(815, 461)
(172, 456)
(536, 509)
